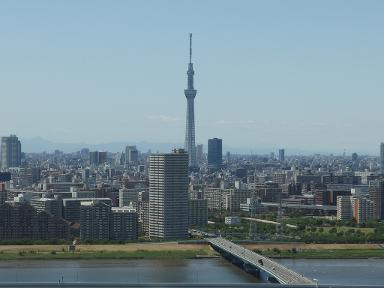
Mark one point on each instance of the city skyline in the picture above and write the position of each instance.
(261, 85)
(105, 156)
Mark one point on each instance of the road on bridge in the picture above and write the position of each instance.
(283, 274)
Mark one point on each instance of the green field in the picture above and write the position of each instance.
(326, 254)
(345, 229)
(139, 254)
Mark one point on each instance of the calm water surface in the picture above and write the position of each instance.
(129, 271)
(340, 271)
(343, 271)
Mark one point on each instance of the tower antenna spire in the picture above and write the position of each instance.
(190, 94)
(190, 47)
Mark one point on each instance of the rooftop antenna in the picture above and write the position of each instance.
(190, 47)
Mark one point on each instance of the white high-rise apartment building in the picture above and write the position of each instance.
(168, 195)
(344, 208)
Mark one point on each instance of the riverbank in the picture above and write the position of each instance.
(326, 254)
(104, 255)
(168, 250)
(318, 251)
(311, 246)
(174, 250)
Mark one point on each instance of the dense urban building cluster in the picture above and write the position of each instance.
(131, 195)
(98, 196)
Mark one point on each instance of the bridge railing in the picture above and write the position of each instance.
(283, 274)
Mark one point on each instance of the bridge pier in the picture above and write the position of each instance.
(267, 270)
(246, 266)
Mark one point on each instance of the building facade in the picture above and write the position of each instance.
(344, 208)
(10, 152)
(124, 224)
(94, 221)
(198, 212)
(199, 154)
(168, 195)
(21, 221)
(281, 155)
(215, 153)
(72, 206)
(131, 155)
(359, 209)
(376, 195)
(362, 209)
(97, 157)
(53, 206)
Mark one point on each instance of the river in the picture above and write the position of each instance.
(343, 271)
(340, 271)
(129, 271)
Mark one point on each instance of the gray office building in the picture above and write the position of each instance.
(168, 195)
(215, 153)
(199, 154)
(131, 155)
(97, 157)
(281, 155)
(10, 152)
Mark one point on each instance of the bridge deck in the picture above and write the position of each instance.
(280, 272)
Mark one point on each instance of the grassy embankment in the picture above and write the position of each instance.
(97, 255)
(186, 251)
(99, 252)
(323, 253)
(327, 254)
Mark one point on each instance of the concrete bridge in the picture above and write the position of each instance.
(264, 268)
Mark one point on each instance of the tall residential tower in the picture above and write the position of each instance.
(168, 195)
(190, 94)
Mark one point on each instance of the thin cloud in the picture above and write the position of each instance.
(236, 122)
(164, 118)
(318, 124)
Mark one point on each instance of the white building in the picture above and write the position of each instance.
(168, 195)
(344, 208)
(232, 220)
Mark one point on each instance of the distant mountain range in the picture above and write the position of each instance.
(38, 144)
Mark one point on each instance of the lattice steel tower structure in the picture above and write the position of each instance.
(190, 94)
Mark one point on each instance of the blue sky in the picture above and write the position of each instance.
(295, 74)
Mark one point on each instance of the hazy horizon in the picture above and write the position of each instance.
(40, 144)
(301, 75)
